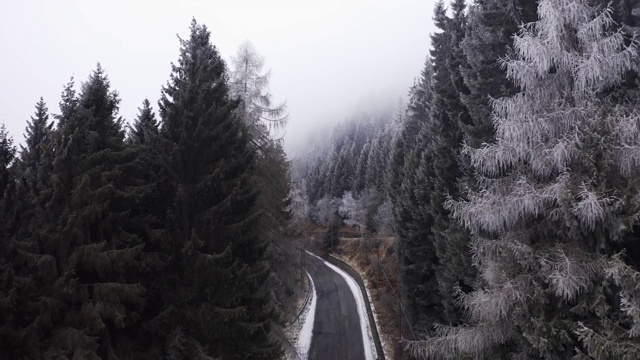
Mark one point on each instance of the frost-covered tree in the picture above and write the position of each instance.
(488, 39)
(377, 161)
(340, 175)
(359, 177)
(360, 211)
(299, 206)
(249, 83)
(353, 157)
(557, 193)
(351, 210)
(325, 211)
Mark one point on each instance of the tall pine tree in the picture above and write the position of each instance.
(448, 116)
(215, 296)
(94, 244)
(145, 126)
(409, 189)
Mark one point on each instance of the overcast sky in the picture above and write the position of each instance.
(325, 56)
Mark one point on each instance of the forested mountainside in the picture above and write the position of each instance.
(166, 240)
(511, 180)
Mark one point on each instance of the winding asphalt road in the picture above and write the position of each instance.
(336, 330)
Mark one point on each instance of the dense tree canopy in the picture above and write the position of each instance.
(146, 248)
(512, 181)
(509, 182)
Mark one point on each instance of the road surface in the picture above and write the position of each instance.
(336, 331)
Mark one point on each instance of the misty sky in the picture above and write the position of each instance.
(325, 56)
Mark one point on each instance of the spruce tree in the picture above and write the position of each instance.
(448, 115)
(218, 306)
(93, 239)
(7, 155)
(409, 187)
(274, 201)
(375, 164)
(37, 135)
(8, 196)
(35, 166)
(555, 196)
(145, 126)
(11, 306)
(7, 179)
(359, 178)
(8, 176)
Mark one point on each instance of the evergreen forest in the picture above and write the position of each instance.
(510, 181)
(167, 238)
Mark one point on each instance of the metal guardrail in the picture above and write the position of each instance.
(306, 300)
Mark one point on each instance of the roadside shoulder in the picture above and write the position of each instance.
(295, 327)
(367, 300)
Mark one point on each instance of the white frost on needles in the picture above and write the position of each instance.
(304, 338)
(367, 337)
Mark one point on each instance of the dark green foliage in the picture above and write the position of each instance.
(272, 178)
(448, 116)
(8, 197)
(249, 85)
(7, 176)
(23, 211)
(95, 245)
(145, 126)
(38, 138)
(11, 304)
(146, 249)
(35, 167)
(217, 269)
(72, 260)
(416, 253)
(7, 154)
(409, 188)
